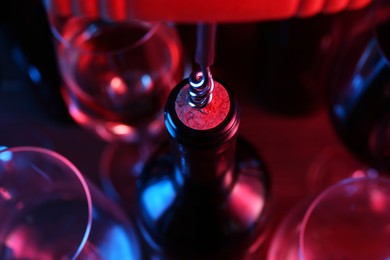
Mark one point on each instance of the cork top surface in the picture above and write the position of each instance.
(203, 118)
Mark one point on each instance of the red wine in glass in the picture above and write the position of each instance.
(118, 75)
(359, 95)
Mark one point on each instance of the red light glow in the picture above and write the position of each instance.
(4, 194)
(205, 10)
(378, 200)
(77, 115)
(246, 200)
(122, 130)
(117, 86)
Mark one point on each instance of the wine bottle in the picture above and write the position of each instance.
(26, 26)
(205, 193)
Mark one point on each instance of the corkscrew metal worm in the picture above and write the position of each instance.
(201, 87)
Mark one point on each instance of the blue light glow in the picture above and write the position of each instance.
(357, 82)
(158, 197)
(118, 244)
(34, 74)
(169, 124)
(339, 111)
(6, 156)
(146, 82)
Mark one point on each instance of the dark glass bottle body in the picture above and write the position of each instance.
(359, 95)
(204, 195)
(27, 28)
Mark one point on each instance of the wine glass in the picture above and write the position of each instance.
(117, 75)
(333, 164)
(359, 88)
(348, 220)
(358, 102)
(48, 210)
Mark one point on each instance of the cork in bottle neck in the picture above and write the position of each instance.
(212, 125)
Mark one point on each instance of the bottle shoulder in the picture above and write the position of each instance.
(200, 226)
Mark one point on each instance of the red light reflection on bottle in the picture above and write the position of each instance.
(246, 200)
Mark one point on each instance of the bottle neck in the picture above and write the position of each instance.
(207, 166)
(204, 145)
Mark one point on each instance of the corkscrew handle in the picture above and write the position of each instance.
(201, 83)
(205, 48)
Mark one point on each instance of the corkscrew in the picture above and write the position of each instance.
(201, 87)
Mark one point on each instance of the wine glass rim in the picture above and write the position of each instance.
(312, 206)
(78, 174)
(151, 26)
(375, 17)
(382, 52)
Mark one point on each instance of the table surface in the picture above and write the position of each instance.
(287, 144)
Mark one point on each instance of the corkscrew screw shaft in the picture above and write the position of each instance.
(201, 82)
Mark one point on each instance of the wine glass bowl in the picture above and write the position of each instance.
(358, 95)
(48, 210)
(117, 75)
(38, 190)
(347, 220)
(333, 164)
